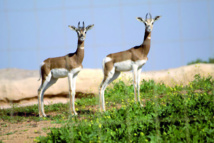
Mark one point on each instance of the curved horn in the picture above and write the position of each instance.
(83, 24)
(150, 15)
(78, 24)
(147, 15)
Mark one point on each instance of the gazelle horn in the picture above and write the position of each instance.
(78, 24)
(146, 15)
(150, 16)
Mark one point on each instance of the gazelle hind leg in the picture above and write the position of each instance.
(115, 76)
(112, 75)
(50, 83)
(101, 94)
(39, 102)
(41, 90)
(102, 91)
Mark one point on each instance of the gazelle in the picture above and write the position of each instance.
(60, 67)
(132, 59)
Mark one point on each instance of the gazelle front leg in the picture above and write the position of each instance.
(138, 86)
(71, 79)
(136, 82)
(134, 70)
(73, 93)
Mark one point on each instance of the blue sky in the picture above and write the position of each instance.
(32, 31)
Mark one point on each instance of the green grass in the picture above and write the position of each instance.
(10, 133)
(170, 114)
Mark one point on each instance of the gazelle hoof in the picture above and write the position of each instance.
(75, 114)
(44, 115)
(102, 110)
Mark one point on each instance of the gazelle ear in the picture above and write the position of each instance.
(157, 17)
(72, 27)
(140, 19)
(89, 27)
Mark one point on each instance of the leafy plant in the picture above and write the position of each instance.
(171, 114)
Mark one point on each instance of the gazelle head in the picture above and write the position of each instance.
(148, 21)
(81, 31)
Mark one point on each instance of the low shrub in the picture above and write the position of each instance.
(169, 114)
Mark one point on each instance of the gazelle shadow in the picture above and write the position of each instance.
(22, 114)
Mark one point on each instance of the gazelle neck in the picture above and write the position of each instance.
(147, 36)
(146, 42)
(80, 45)
(80, 51)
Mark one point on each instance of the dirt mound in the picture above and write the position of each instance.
(20, 86)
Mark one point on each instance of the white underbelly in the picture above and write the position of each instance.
(128, 64)
(61, 72)
(123, 66)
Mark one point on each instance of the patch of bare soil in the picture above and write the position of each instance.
(24, 132)
(27, 131)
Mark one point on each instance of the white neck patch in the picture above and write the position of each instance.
(81, 47)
